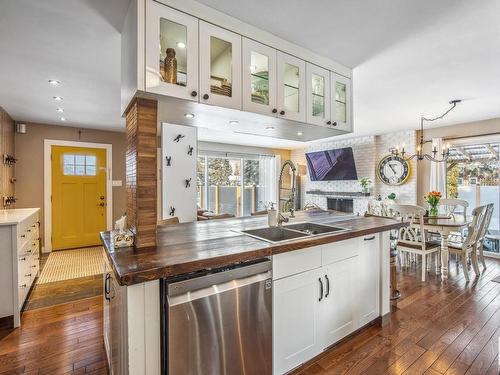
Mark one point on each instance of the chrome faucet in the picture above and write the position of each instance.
(281, 218)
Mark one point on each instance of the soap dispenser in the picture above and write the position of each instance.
(272, 215)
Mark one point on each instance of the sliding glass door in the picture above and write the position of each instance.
(473, 175)
(239, 185)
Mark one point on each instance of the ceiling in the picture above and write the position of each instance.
(409, 57)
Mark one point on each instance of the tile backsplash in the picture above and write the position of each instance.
(368, 151)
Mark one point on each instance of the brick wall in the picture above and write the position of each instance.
(368, 151)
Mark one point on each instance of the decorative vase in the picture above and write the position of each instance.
(433, 210)
(170, 67)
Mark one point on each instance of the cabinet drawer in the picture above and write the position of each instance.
(338, 251)
(296, 261)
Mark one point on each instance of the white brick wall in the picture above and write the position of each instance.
(367, 152)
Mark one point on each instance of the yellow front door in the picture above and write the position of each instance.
(78, 196)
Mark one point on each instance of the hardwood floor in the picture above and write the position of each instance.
(436, 327)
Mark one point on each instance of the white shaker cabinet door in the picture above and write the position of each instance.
(171, 52)
(220, 66)
(368, 276)
(291, 87)
(295, 320)
(340, 87)
(318, 95)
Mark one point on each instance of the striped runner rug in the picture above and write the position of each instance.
(72, 264)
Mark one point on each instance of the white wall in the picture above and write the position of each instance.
(367, 152)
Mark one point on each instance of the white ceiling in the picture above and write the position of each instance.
(409, 57)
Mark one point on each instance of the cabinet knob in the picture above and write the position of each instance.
(27, 275)
(205, 96)
(193, 94)
(22, 286)
(282, 113)
(328, 122)
(334, 123)
(274, 110)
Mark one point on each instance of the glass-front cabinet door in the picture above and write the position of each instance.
(291, 87)
(220, 66)
(318, 95)
(171, 52)
(259, 78)
(341, 101)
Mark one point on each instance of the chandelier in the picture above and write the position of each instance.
(445, 151)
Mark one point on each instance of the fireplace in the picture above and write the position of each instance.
(340, 204)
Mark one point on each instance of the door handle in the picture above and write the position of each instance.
(102, 204)
(327, 286)
(101, 197)
(320, 289)
(106, 287)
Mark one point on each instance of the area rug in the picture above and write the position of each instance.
(496, 279)
(72, 264)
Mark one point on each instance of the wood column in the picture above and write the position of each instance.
(141, 171)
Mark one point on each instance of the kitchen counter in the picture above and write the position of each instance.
(15, 216)
(191, 247)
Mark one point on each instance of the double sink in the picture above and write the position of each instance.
(292, 232)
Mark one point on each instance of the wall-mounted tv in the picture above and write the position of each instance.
(331, 165)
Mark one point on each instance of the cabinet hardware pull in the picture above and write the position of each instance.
(334, 123)
(193, 94)
(274, 110)
(320, 289)
(28, 230)
(328, 122)
(327, 286)
(22, 286)
(282, 113)
(206, 96)
(28, 275)
(369, 238)
(106, 287)
(23, 236)
(23, 258)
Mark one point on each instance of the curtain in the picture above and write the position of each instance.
(438, 170)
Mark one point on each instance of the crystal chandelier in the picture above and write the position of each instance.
(445, 152)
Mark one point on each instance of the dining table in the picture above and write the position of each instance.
(444, 225)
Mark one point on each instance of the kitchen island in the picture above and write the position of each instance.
(323, 287)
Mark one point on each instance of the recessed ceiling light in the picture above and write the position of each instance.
(233, 122)
(181, 45)
(269, 127)
(57, 98)
(54, 82)
(188, 115)
(299, 133)
(63, 118)
(60, 110)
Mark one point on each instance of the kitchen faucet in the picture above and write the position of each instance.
(281, 218)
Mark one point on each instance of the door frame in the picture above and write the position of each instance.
(47, 184)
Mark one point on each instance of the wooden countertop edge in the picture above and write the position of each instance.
(156, 273)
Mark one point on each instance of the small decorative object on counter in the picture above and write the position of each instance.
(432, 198)
(365, 184)
(392, 196)
(122, 237)
(272, 215)
(170, 67)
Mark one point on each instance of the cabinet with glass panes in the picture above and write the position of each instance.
(341, 103)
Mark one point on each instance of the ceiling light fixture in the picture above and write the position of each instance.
(445, 152)
(57, 98)
(54, 82)
(299, 133)
(233, 122)
(63, 118)
(60, 110)
(181, 45)
(188, 115)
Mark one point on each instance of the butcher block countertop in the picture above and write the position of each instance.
(191, 247)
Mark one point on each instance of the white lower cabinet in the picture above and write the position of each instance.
(315, 308)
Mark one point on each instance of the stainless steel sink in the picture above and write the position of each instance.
(314, 228)
(292, 232)
(274, 234)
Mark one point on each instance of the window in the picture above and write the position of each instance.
(473, 175)
(79, 165)
(236, 185)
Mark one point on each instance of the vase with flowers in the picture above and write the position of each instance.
(432, 198)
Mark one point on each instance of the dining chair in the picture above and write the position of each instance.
(452, 204)
(469, 244)
(375, 207)
(413, 239)
(483, 231)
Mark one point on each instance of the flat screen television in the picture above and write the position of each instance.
(332, 165)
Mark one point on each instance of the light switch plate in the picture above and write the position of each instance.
(117, 182)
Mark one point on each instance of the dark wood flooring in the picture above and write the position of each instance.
(450, 327)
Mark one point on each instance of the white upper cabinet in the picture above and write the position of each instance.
(291, 87)
(171, 52)
(220, 66)
(318, 95)
(340, 102)
(259, 78)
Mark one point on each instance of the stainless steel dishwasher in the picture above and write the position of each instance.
(219, 322)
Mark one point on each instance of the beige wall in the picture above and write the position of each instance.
(469, 129)
(29, 168)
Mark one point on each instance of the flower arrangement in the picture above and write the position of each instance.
(433, 198)
(365, 184)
